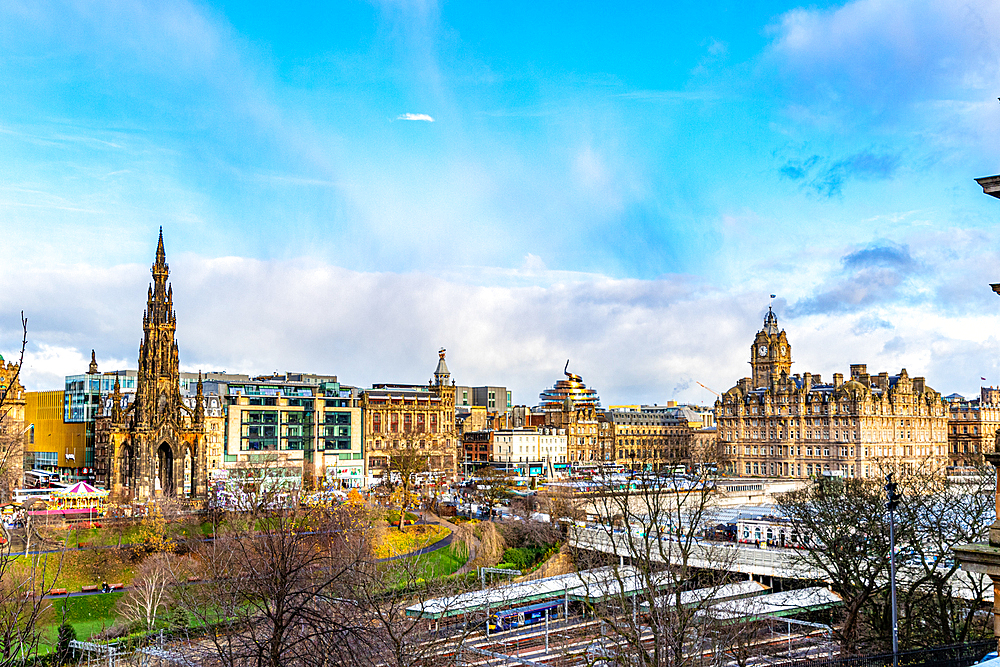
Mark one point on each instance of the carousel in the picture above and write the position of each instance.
(80, 496)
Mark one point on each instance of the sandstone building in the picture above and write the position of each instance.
(651, 437)
(12, 429)
(398, 416)
(571, 406)
(973, 426)
(777, 424)
(146, 447)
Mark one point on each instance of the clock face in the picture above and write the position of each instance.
(762, 350)
(783, 349)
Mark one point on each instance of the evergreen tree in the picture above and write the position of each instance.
(66, 634)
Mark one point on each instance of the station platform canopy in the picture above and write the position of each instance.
(626, 583)
(571, 586)
(714, 594)
(785, 603)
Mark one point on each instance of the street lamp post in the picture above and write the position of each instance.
(893, 502)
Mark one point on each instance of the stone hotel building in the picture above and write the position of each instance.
(401, 416)
(777, 424)
(973, 427)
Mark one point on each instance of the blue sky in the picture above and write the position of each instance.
(345, 188)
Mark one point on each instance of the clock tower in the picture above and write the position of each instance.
(770, 353)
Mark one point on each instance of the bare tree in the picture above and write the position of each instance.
(939, 602)
(149, 592)
(560, 502)
(401, 639)
(11, 422)
(22, 581)
(846, 521)
(277, 587)
(843, 520)
(653, 526)
(493, 486)
(21, 588)
(405, 463)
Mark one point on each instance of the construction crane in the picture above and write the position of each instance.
(709, 388)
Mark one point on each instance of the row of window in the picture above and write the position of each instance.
(844, 410)
(293, 417)
(265, 443)
(418, 423)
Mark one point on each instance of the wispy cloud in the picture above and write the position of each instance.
(826, 177)
(870, 276)
(633, 340)
(415, 116)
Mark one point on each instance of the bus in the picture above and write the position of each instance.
(39, 479)
(22, 495)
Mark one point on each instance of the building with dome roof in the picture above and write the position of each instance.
(590, 432)
(776, 424)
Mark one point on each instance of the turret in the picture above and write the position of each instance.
(199, 403)
(116, 401)
(441, 374)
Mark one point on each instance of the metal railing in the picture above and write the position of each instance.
(956, 655)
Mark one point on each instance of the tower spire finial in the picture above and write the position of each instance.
(161, 255)
(770, 322)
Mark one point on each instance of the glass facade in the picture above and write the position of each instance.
(259, 430)
(81, 398)
(336, 431)
(294, 429)
(297, 429)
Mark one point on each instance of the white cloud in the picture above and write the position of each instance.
(415, 116)
(633, 340)
(884, 55)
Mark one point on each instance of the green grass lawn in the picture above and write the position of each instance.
(93, 613)
(73, 569)
(113, 535)
(87, 615)
(435, 565)
(445, 561)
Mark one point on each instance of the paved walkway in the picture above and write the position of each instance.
(429, 517)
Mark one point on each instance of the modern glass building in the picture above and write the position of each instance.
(307, 426)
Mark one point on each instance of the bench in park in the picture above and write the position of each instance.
(89, 589)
